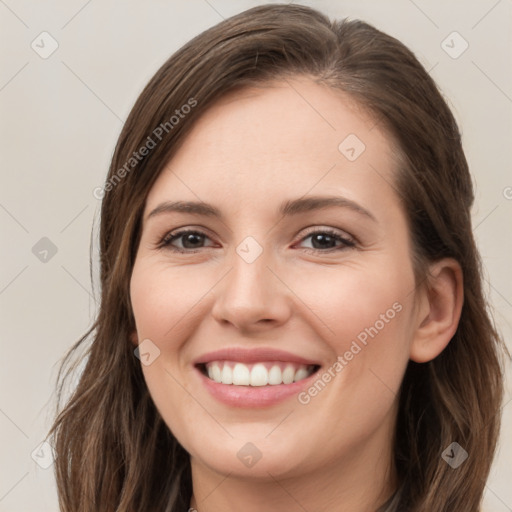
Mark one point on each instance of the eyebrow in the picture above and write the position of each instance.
(287, 208)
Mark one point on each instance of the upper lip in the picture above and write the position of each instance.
(246, 355)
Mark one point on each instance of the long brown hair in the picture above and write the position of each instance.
(114, 451)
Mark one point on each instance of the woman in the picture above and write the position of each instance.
(231, 364)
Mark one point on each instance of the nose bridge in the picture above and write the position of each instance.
(250, 293)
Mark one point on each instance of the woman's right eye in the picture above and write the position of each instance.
(187, 237)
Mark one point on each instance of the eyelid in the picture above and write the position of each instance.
(327, 229)
(175, 234)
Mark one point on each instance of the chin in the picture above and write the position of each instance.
(261, 458)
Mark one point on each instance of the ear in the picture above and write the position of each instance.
(439, 312)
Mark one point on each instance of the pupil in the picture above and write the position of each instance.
(322, 237)
(190, 238)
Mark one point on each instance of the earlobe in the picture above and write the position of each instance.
(437, 322)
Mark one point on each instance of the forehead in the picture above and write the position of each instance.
(284, 138)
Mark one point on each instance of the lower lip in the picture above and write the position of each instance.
(254, 396)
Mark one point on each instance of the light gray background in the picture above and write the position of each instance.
(61, 116)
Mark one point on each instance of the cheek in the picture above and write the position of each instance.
(364, 314)
(368, 311)
(356, 302)
(163, 298)
(163, 302)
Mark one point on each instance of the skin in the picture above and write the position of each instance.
(249, 152)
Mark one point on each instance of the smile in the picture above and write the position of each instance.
(265, 373)
(243, 377)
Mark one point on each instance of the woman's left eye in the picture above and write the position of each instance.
(323, 238)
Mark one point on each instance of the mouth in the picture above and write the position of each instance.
(240, 377)
(257, 374)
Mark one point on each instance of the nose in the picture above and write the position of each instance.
(252, 296)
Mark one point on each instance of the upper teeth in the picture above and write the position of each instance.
(259, 374)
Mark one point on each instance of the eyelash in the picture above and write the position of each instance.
(165, 242)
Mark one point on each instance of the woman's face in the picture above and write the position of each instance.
(275, 283)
